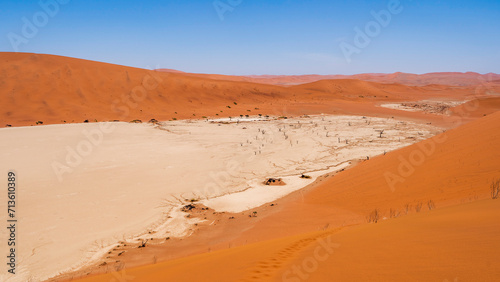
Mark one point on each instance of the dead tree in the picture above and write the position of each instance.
(143, 243)
(380, 132)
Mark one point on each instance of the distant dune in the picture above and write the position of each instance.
(54, 90)
(443, 78)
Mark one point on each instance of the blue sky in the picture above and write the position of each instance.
(262, 37)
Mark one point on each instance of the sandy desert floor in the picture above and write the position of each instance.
(126, 178)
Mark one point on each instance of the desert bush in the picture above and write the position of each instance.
(373, 216)
(407, 208)
(431, 205)
(495, 189)
(418, 207)
(39, 122)
(392, 213)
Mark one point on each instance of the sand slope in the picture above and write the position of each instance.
(458, 242)
(55, 90)
(478, 107)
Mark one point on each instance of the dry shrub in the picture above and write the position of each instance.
(418, 207)
(407, 208)
(373, 216)
(431, 205)
(495, 189)
(392, 213)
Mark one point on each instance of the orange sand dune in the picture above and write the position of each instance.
(478, 107)
(443, 78)
(458, 243)
(54, 89)
(458, 240)
(360, 90)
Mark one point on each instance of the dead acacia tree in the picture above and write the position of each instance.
(380, 132)
(143, 243)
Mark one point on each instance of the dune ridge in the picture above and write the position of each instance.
(66, 90)
(438, 78)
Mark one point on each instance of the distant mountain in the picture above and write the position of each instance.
(444, 78)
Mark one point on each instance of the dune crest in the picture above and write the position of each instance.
(66, 90)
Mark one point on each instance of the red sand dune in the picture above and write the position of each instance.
(458, 239)
(61, 89)
(64, 89)
(443, 78)
(451, 244)
(478, 107)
